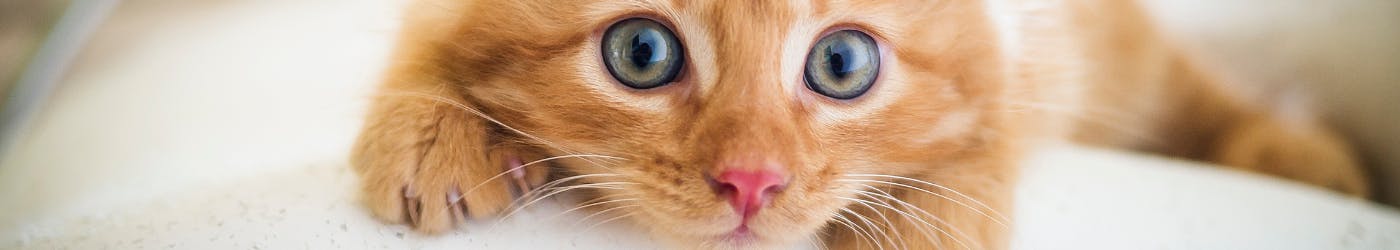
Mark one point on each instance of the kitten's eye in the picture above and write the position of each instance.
(642, 54)
(843, 65)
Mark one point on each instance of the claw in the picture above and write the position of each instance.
(412, 207)
(513, 163)
(409, 192)
(453, 197)
(457, 205)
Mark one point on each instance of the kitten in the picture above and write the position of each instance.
(757, 124)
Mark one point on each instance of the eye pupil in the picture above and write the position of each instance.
(838, 65)
(641, 52)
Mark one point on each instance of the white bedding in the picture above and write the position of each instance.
(213, 134)
(1070, 198)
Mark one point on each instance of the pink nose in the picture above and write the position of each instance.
(748, 190)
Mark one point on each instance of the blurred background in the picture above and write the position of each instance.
(121, 103)
(201, 91)
(23, 26)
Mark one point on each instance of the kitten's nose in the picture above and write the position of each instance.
(748, 190)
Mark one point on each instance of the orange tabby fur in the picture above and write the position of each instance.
(476, 84)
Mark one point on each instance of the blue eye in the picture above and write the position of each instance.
(843, 65)
(642, 53)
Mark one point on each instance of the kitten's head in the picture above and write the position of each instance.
(733, 123)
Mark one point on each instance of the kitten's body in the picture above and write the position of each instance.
(483, 86)
(1117, 82)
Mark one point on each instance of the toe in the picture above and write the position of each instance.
(457, 206)
(386, 202)
(486, 200)
(434, 214)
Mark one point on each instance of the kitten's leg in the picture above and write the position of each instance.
(1146, 94)
(1304, 152)
(422, 161)
(1260, 138)
(1195, 117)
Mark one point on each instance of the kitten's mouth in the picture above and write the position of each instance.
(741, 236)
(741, 232)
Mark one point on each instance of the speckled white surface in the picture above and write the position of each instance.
(225, 124)
(1075, 198)
(310, 207)
(1070, 198)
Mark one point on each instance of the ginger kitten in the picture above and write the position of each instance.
(756, 124)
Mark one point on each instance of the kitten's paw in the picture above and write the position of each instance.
(1304, 153)
(436, 177)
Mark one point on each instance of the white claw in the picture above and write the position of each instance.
(518, 173)
(410, 192)
(454, 197)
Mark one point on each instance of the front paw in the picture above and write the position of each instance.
(434, 171)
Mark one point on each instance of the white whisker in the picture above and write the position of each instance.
(551, 184)
(604, 211)
(936, 219)
(483, 115)
(815, 240)
(557, 191)
(590, 228)
(461, 106)
(592, 205)
(924, 222)
(873, 229)
(890, 224)
(999, 219)
(522, 166)
(870, 238)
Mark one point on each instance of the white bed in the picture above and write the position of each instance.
(214, 134)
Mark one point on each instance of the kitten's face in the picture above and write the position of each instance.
(741, 99)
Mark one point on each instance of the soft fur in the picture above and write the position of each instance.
(480, 86)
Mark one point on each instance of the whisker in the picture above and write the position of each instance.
(815, 241)
(870, 238)
(522, 166)
(592, 205)
(848, 226)
(483, 115)
(590, 228)
(999, 219)
(558, 190)
(873, 229)
(463, 196)
(474, 111)
(604, 211)
(881, 230)
(551, 186)
(936, 219)
(456, 104)
(554, 183)
(890, 225)
(926, 223)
